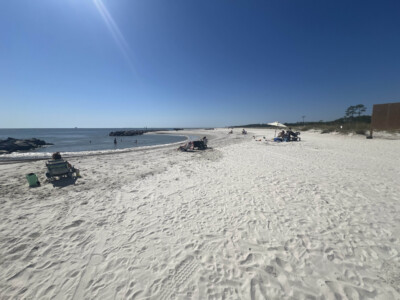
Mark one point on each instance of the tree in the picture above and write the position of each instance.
(359, 109)
(350, 111)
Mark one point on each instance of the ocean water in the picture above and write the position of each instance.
(80, 141)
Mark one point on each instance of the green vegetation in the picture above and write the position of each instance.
(349, 123)
(352, 122)
(356, 109)
(358, 125)
(327, 130)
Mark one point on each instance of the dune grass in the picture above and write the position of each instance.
(345, 128)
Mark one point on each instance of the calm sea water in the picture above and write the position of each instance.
(85, 140)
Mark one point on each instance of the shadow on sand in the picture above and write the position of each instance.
(63, 182)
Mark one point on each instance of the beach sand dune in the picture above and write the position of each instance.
(316, 219)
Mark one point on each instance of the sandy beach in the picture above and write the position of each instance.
(245, 219)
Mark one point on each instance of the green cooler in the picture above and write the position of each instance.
(32, 179)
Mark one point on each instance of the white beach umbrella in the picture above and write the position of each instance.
(277, 125)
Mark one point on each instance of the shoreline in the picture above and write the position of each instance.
(47, 155)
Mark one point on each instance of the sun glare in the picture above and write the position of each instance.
(115, 31)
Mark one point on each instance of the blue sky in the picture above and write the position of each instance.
(182, 63)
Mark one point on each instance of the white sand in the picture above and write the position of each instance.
(317, 219)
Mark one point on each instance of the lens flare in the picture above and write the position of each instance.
(115, 32)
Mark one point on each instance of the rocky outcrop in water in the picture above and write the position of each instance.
(127, 132)
(11, 145)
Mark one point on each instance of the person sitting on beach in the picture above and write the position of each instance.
(281, 134)
(186, 147)
(56, 156)
(205, 141)
(286, 136)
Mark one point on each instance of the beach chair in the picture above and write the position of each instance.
(200, 145)
(294, 136)
(58, 168)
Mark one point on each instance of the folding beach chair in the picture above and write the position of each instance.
(58, 168)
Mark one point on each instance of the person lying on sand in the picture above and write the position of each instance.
(186, 147)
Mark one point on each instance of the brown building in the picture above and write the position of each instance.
(385, 116)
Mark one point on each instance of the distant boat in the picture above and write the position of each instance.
(76, 127)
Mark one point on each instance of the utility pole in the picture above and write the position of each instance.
(303, 119)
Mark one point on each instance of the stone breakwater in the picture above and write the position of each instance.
(11, 145)
(127, 132)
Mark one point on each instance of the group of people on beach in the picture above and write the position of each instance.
(287, 136)
(283, 136)
(243, 131)
(200, 144)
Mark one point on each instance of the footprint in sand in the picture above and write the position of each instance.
(178, 278)
(75, 223)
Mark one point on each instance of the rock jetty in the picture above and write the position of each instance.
(11, 145)
(127, 132)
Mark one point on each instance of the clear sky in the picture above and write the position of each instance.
(184, 63)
